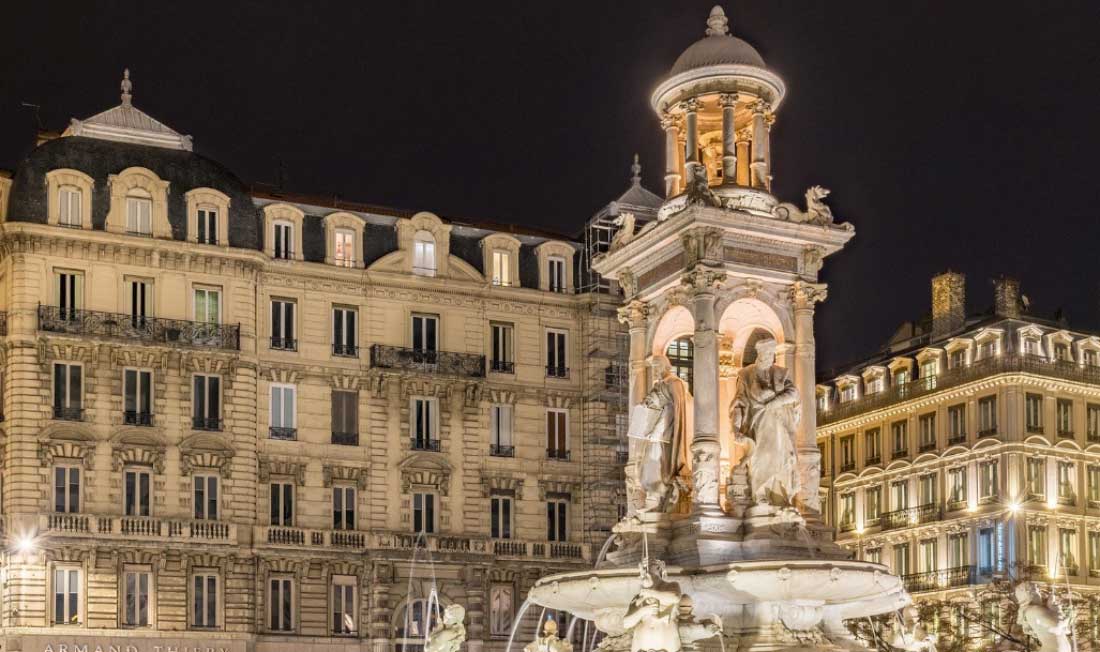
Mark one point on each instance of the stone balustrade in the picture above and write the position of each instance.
(138, 527)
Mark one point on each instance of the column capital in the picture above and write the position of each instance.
(703, 281)
(804, 295)
(769, 119)
(670, 121)
(691, 105)
(634, 314)
(744, 135)
(760, 107)
(728, 99)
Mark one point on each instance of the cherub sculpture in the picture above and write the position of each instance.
(549, 641)
(448, 635)
(1045, 622)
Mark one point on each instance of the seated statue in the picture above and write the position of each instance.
(448, 635)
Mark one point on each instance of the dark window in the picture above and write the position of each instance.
(681, 354)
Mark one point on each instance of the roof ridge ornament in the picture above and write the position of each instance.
(126, 86)
(636, 171)
(717, 23)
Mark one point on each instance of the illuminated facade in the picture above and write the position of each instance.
(969, 450)
(243, 420)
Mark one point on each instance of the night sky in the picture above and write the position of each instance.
(953, 134)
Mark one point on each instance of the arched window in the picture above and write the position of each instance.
(413, 624)
(139, 212)
(423, 254)
(681, 354)
(70, 200)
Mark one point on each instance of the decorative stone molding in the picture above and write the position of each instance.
(559, 487)
(471, 395)
(551, 249)
(804, 295)
(51, 450)
(343, 220)
(205, 450)
(559, 401)
(501, 396)
(284, 376)
(283, 213)
(122, 356)
(144, 182)
(210, 200)
(194, 561)
(702, 244)
(491, 482)
(440, 232)
(702, 279)
(634, 314)
(123, 454)
(345, 382)
(422, 387)
(51, 351)
(55, 179)
(334, 473)
(272, 467)
(813, 258)
(425, 470)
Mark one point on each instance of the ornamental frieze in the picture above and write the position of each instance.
(335, 473)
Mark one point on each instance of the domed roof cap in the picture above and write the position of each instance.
(717, 48)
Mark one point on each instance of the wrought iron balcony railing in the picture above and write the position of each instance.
(501, 450)
(502, 366)
(135, 418)
(958, 438)
(345, 438)
(446, 363)
(68, 413)
(940, 579)
(422, 444)
(911, 516)
(873, 459)
(206, 423)
(284, 343)
(54, 319)
(277, 432)
(1004, 363)
(345, 350)
(557, 454)
(927, 446)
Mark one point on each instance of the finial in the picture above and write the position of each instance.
(127, 86)
(717, 23)
(636, 171)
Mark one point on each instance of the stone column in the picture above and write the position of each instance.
(706, 446)
(728, 101)
(691, 133)
(803, 296)
(759, 144)
(744, 139)
(769, 120)
(634, 314)
(672, 154)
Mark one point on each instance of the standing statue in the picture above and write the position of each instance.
(653, 615)
(549, 641)
(1045, 622)
(449, 634)
(766, 410)
(658, 438)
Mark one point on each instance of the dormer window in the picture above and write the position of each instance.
(1092, 358)
(957, 359)
(1061, 353)
(343, 253)
(139, 213)
(556, 271)
(424, 254)
(875, 385)
(848, 393)
(207, 226)
(1031, 346)
(69, 202)
(207, 216)
(283, 242)
(901, 377)
(502, 268)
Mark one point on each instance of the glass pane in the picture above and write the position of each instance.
(211, 600)
(274, 607)
(214, 397)
(277, 407)
(212, 498)
(196, 609)
(74, 490)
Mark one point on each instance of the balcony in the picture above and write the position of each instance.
(284, 344)
(68, 413)
(345, 438)
(900, 453)
(500, 450)
(211, 424)
(900, 518)
(502, 366)
(873, 459)
(468, 365)
(304, 538)
(279, 432)
(345, 350)
(135, 418)
(557, 454)
(422, 444)
(847, 466)
(941, 579)
(927, 446)
(958, 438)
(141, 528)
(1005, 363)
(413, 544)
(554, 371)
(153, 330)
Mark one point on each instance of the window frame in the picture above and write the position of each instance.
(78, 613)
(285, 586)
(283, 389)
(207, 479)
(421, 437)
(428, 512)
(340, 518)
(557, 433)
(336, 622)
(282, 508)
(557, 519)
(206, 576)
(67, 468)
(140, 399)
(124, 594)
(425, 257)
(134, 510)
(206, 419)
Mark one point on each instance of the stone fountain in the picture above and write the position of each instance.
(723, 542)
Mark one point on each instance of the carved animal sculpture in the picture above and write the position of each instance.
(625, 234)
(817, 212)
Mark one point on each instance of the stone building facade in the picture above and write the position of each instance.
(245, 420)
(968, 450)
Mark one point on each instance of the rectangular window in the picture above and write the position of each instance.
(987, 349)
(282, 503)
(204, 600)
(137, 491)
(848, 393)
(872, 441)
(206, 497)
(1061, 353)
(136, 588)
(987, 415)
(280, 604)
(901, 559)
(500, 430)
(284, 423)
(343, 508)
(1036, 477)
(1031, 346)
(1067, 483)
(926, 488)
(208, 305)
(900, 494)
(502, 360)
(1064, 419)
(1094, 485)
(1033, 412)
(847, 453)
(502, 268)
(141, 302)
(500, 517)
(344, 605)
(70, 294)
(988, 480)
(957, 359)
(1037, 545)
(206, 402)
(556, 269)
(875, 385)
(207, 226)
(899, 431)
(1092, 358)
(69, 201)
(344, 248)
(423, 417)
(66, 596)
(927, 561)
(137, 392)
(872, 505)
(901, 377)
(956, 486)
(345, 339)
(66, 489)
(1067, 551)
(1092, 418)
(425, 333)
(345, 417)
(927, 423)
(956, 422)
(1094, 553)
(423, 512)
(423, 254)
(68, 391)
(557, 519)
(284, 239)
(282, 325)
(501, 609)
(847, 511)
(957, 552)
(556, 366)
(139, 215)
(557, 434)
(873, 555)
(986, 551)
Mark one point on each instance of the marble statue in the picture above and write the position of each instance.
(659, 439)
(910, 634)
(766, 410)
(653, 616)
(449, 634)
(817, 212)
(549, 641)
(1045, 622)
(691, 629)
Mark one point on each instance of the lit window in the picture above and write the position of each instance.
(66, 596)
(424, 254)
(69, 200)
(139, 215)
(681, 355)
(502, 268)
(345, 605)
(344, 247)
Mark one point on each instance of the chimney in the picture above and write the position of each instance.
(1006, 297)
(948, 303)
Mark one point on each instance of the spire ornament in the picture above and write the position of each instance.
(717, 23)
(126, 86)
(636, 171)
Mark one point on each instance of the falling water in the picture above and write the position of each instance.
(515, 624)
(603, 550)
(803, 535)
(419, 544)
